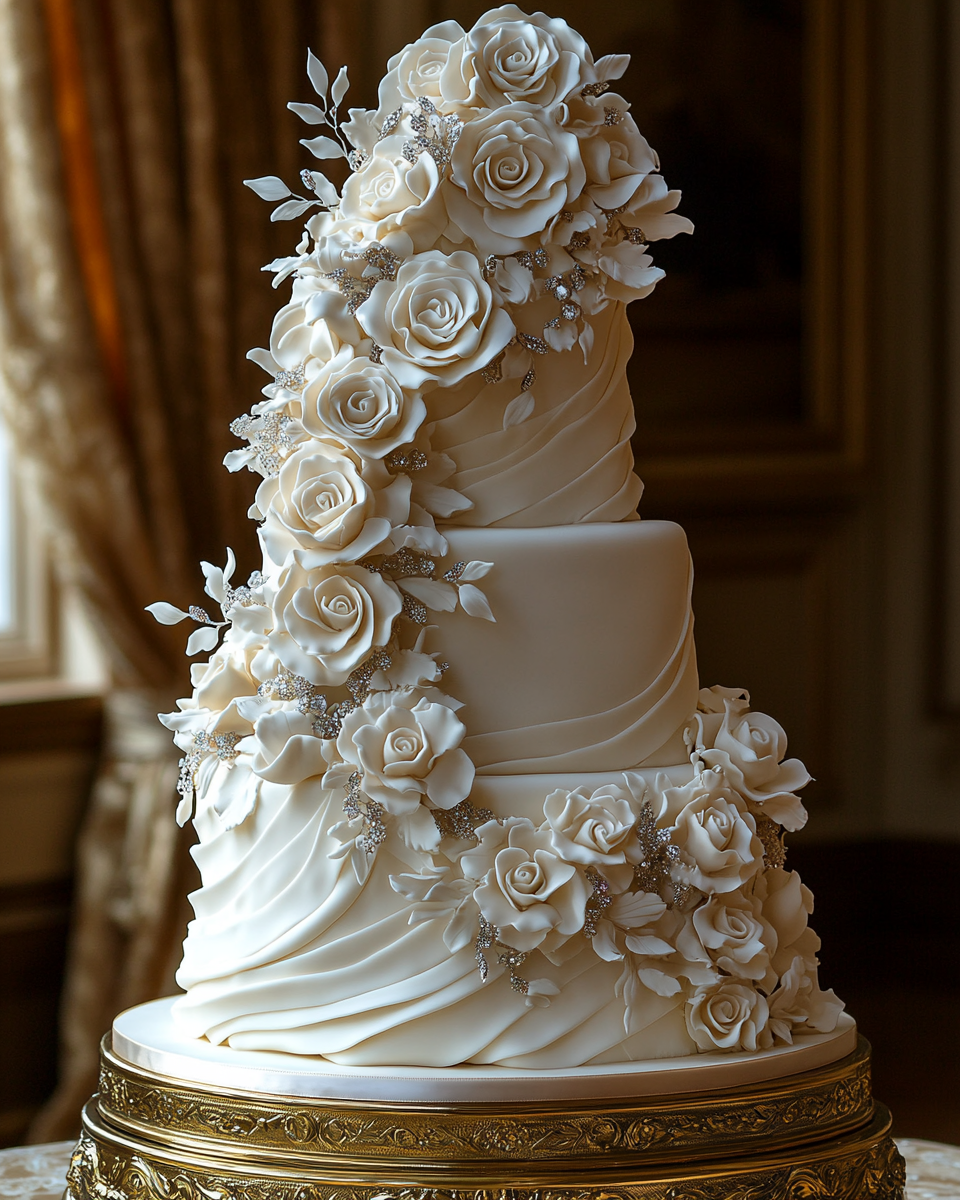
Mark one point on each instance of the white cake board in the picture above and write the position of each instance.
(147, 1037)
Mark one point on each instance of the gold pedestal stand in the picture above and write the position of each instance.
(806, 1136)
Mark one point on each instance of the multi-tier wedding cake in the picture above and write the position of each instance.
(459, 796)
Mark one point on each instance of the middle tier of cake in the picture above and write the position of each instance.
(591, 663)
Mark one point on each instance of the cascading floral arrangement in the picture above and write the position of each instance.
(499, 197)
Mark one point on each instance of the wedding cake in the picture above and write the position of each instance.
(459, 796)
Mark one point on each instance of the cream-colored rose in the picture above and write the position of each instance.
(391, 193)
(406, 748)
(798, 1003)
(597, 828)
(728, 1016)
(360, 403)
(285, 748)
(749, 747)
(315, 325)
(717, 834)
(512, 173)
(330, 504)
(786, 904)
(223, 678)
(510, 56)
(616, 158)
(731, 928)
(417, 69)
(524, 887)
(437, 321)
(327, 620)
(651, 211)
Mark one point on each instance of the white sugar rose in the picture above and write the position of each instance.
(525, 888)
(331, 505)
(510, 56)
(591, 829)
(224, 677)
(512, 173)
(437, 321)
(798, 1003)
(361, 404)
(327, 620)
(728, 1016)
(417, 69)
(617, 158)
(316, 324)
(391, 193)
(651, 211)
(731, 928)
(717, 834)
(749, 747)
(406, 748)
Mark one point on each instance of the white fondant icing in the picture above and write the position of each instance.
(146, 1036)
(591, 664)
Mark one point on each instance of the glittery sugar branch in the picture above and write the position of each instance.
(598, 903)
(509, 957)
(370, 812)
(659, 858)
(595, 89)
(405, 461)
(268, 435)
(771, 838)
(223, 745)
(292, 381)
(355, 290)
(294, 687)
(462, 821)
(435, 135)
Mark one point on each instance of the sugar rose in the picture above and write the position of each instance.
(728, 1016)
(417, 69)
(405, 749)
(591, 829)
(510, 56)
(716, 833)
(512, 173)
(327, 620)
(394, 194)
(525, 888)
(437, 321)
(331, 505)
(616, 158)
(361, 404)
(731, 928)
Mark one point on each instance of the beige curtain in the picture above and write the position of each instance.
(130, 289)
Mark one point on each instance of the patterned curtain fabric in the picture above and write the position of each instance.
(130, 291)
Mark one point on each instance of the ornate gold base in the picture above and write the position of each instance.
(813, 1135)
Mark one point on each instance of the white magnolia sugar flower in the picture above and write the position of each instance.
(224, 677)
(716, 832)
(786, 904)
(391, 193)
(510, 56)
(592, 829)
(284, 747)
(798, 1003)
(405, 749)
(526, 889)
(327, 620)
(330, 504)
(438, 321)
(651, 210)
(512, 173)
(728, 1015)
(362, 404)
(417, 69)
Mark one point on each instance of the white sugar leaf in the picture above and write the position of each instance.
(235, 460)
(166, 614)
(231, 566)
(290, 209)
(324, 188)
(441, 501)
(204, 638)
(215, 583)
(612, 66)
(309, 113)
(323, 147)
(656, 981)
(317, 73)
(340, 85)
(518, 410)
(268, 187)
(263, 358)
(460, 929)
(435, 594)
(648, 944)
(475, 602)
(184, 810)
(636, 908)
(474, 570)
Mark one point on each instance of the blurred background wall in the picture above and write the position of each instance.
(798, 407)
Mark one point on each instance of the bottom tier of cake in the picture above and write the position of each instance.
(771, 1126)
